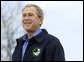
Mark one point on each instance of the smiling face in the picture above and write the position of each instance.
(30, 19)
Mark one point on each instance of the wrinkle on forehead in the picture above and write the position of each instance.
(30, 10)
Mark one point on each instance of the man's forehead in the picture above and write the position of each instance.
(29, 9)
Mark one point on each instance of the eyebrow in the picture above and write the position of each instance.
(27, 13)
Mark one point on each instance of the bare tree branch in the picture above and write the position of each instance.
(8, 26)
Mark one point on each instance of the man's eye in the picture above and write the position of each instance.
(30, 15)
(24, 15)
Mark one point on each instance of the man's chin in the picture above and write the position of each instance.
(29, 30)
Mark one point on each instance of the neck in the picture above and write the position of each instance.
(30, 34)
(33, 33)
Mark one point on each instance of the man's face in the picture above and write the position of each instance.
(30, 19)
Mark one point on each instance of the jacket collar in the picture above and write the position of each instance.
(38, 37)
(41, 36)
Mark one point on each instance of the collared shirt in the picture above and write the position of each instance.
(25, 41)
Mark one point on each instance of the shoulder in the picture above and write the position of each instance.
(53, 42)
(53, 39)
(19, 40)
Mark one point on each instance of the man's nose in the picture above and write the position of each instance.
(27, 17)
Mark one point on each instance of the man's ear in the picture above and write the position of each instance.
(41, 21)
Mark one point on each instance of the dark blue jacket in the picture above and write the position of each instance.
(43, 47)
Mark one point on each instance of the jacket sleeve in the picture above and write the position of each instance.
(54, 51)
(58, 54)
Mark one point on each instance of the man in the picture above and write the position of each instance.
(37, 44)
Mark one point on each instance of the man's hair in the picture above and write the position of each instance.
(40, 13)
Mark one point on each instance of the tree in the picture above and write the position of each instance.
(9, 13)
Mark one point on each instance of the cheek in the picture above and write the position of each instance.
(22, 23)
(34, 24)
(36, 20)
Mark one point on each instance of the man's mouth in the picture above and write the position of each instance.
(27, 21)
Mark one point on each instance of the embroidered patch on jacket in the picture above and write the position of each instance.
(36, 51)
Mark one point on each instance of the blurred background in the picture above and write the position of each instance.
(63, 19)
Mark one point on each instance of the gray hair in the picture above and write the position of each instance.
(40, 13)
